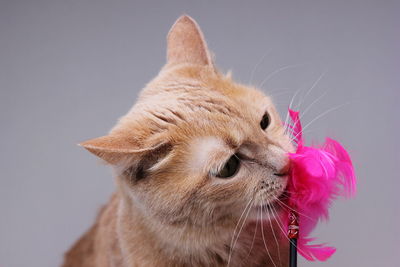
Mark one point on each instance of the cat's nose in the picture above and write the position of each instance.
(283, 171)
(279, 160)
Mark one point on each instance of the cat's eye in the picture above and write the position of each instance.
(265, 121)
(230, 168)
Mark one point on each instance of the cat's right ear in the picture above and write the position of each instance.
(186, 44)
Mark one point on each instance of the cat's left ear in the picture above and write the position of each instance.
(186, 44)
(115, 149)
(134, 160)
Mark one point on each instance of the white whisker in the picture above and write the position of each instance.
(257, 65)
(275, 93)
(273, 233)
(263, 237)
(234, 240)
(320, 116)
(254, 238)
(312, 87)
(283, 231)
(290, 107)
(310, 106)
(280, 203)
(277, 71)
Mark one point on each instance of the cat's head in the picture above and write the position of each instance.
(197, 147)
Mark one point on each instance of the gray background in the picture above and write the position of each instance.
(69, 69)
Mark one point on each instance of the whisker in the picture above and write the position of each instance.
(254, 238)
(310, 106)
(245, 164)
(290, 208)
(304, 97)
(275, 93)
(320, 116)
(263, 237)
(233, 243)
(276, 240)
(312, 87)
(279, 70)
(241, 228)
(290, 106)
(279, 221)
(257, 65)
(283, 231)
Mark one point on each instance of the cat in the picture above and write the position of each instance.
(200, 163)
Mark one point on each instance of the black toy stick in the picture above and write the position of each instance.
(293, 235)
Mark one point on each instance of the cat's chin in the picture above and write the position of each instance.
(265, 212)
(269, 210)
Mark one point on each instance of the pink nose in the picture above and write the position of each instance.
(284, 171)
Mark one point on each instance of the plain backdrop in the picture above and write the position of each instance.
(70, 69)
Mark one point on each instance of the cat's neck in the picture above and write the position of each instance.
(122, 236)
(143, 237)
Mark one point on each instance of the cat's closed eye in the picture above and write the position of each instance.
(230, 168)
(265, 121)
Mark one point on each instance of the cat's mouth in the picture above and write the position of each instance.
(282, 174)
(269, 210)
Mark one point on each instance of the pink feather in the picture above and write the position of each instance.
(319, 175)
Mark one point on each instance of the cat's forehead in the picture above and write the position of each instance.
(192, 102)
(209, 90)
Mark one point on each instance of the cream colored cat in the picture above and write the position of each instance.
(197, 160)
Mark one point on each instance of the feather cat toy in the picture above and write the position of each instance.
(319, 175)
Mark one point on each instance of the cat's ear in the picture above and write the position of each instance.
(186, 44)
(115, 148)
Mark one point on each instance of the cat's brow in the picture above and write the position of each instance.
(231, 143)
